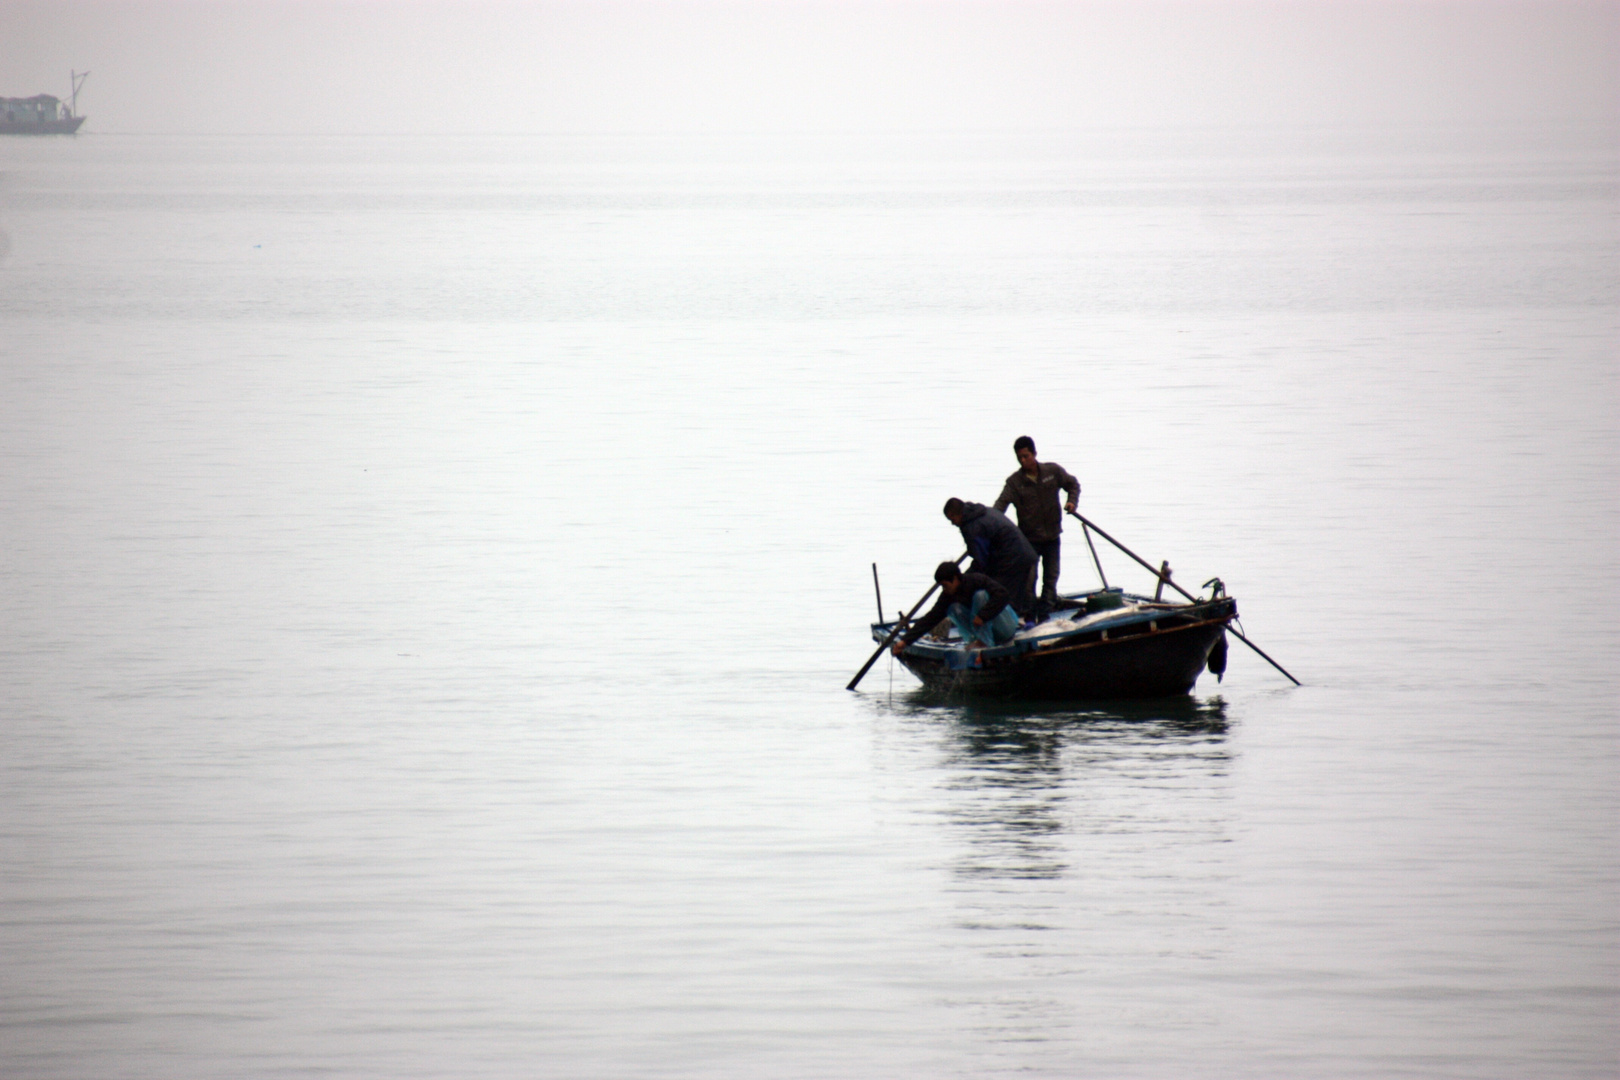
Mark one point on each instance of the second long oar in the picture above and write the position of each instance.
(861, 674)
(1149, 566)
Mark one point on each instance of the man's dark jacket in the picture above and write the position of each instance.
(1040, 515)
(971, 583)
(997, 547)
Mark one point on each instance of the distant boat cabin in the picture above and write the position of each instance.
(42, 114)
(33, 110)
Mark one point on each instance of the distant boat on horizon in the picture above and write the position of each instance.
(43, 114)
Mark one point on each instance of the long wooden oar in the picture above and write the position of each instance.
(861, 674)
(1086, 522)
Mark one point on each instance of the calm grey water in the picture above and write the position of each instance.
(431, 569)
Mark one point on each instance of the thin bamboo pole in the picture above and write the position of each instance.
(1087, 524)
(861, 674)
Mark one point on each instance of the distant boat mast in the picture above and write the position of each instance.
(77, 79)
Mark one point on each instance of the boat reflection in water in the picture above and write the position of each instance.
(1026, 792)
(1084, 859)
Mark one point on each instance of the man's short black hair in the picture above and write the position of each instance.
(1023, 442)
(953, 505)
(947, 571)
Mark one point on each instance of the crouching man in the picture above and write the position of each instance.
(977, 604)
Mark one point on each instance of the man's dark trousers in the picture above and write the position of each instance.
(1021, 584)
(1048, 552)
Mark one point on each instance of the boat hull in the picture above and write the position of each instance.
(1144, 650)
(1163, 664)
(40, 127)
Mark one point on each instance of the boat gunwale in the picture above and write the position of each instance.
(1157, 631)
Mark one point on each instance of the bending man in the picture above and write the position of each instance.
(976, 604)
(999, 550)
(1034, 490)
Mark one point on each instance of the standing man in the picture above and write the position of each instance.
(1034, 490)
(999, 550)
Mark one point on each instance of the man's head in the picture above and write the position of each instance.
(1024, 450)
(949, 576)
(953, 510)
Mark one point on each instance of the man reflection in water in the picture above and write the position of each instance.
(977, 604)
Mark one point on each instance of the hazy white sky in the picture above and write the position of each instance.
(657, 65)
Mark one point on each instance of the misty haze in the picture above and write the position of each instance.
(454, 457)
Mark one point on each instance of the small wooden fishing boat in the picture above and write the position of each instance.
(1106, 643)
(1102, 644)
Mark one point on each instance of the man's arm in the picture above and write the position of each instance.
(998, 599)
(978, 546)
(1070, 485)
(921, 626)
